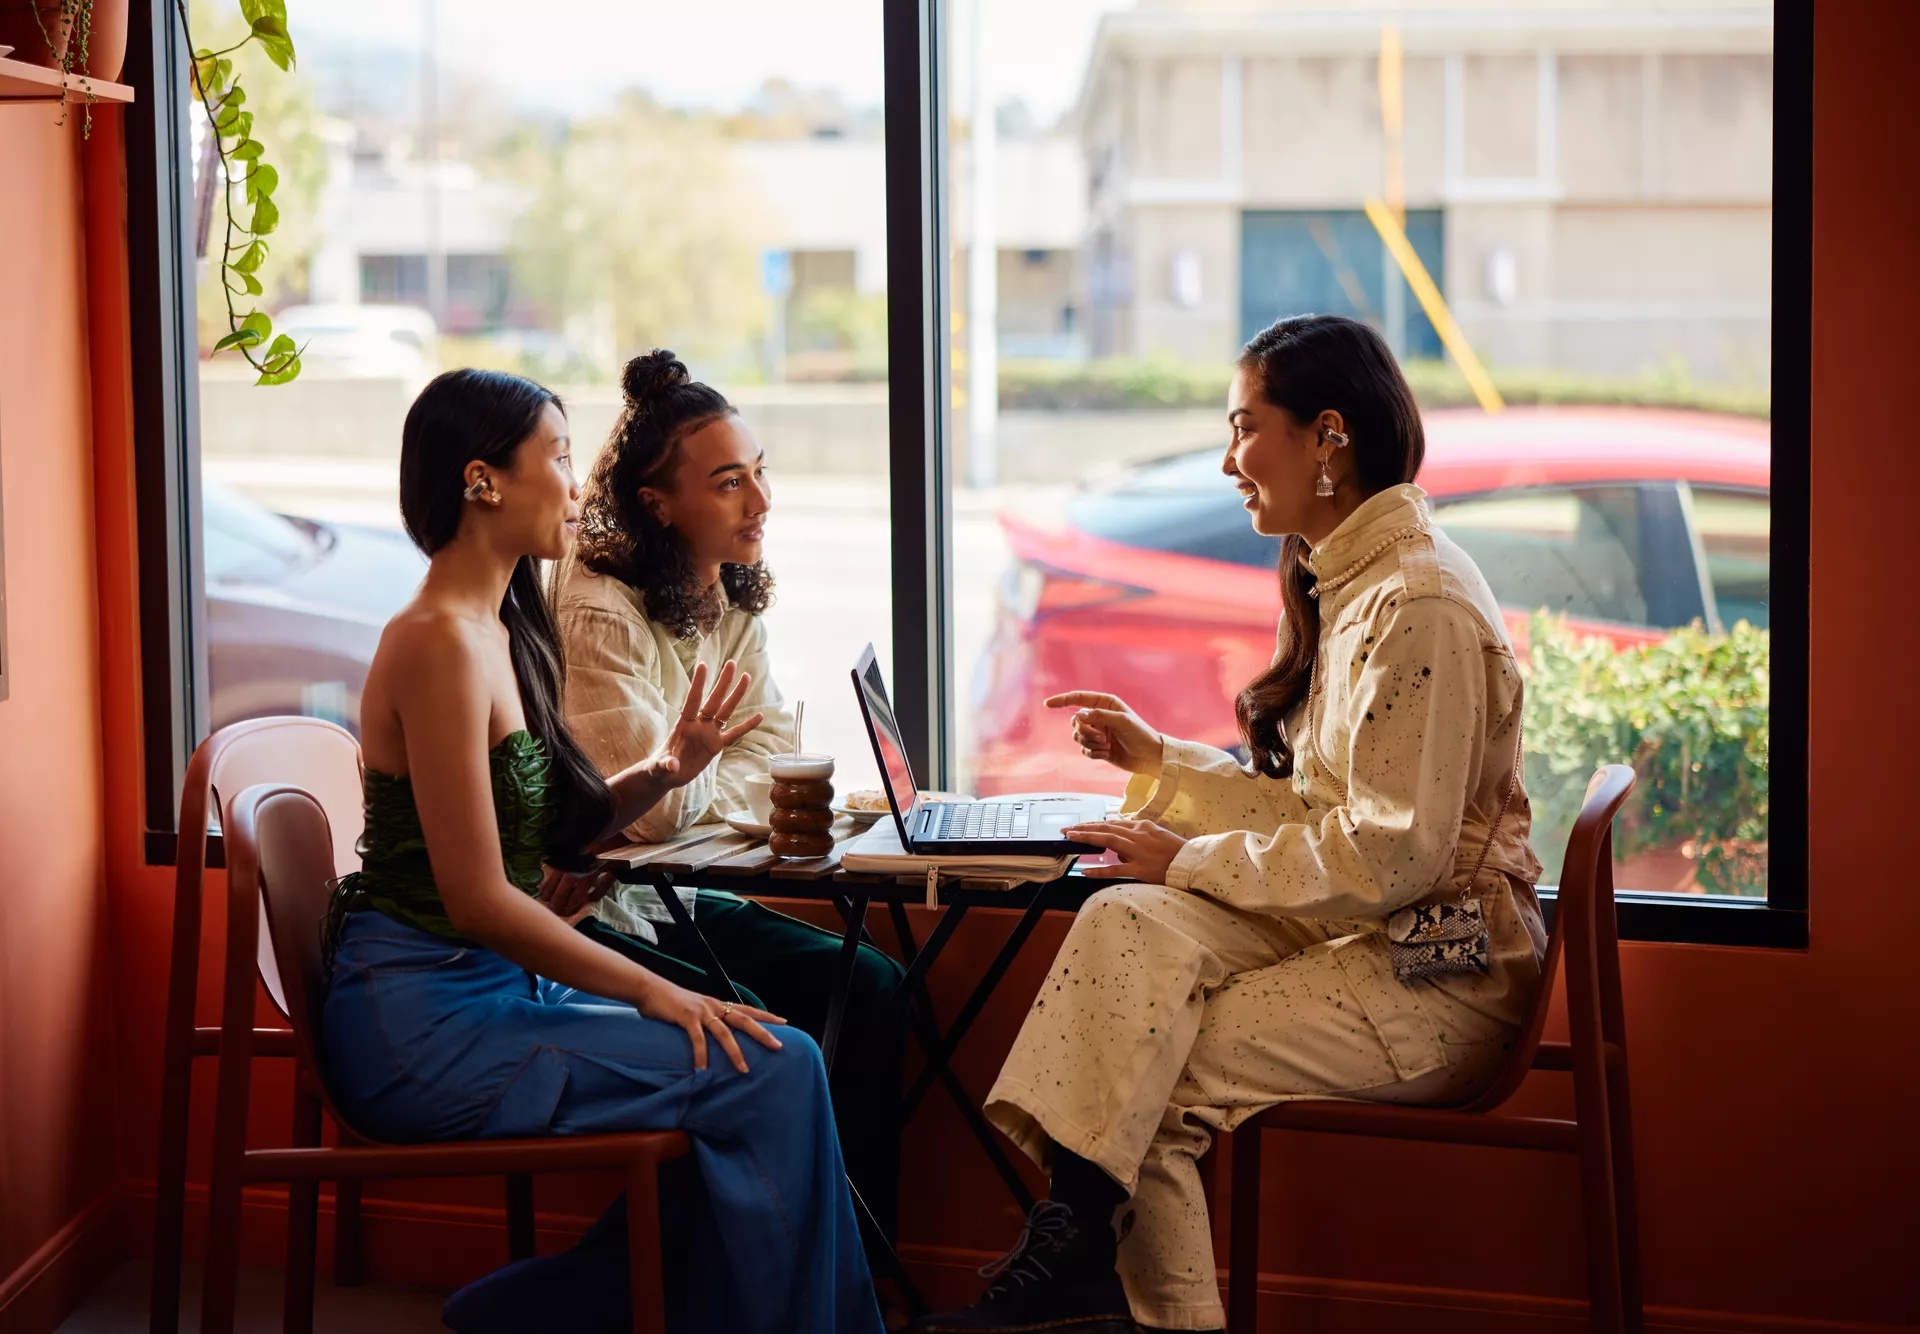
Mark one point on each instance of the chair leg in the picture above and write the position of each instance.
(643, 1256)
(170, 1184)
(1626, 1202)
(520, 1243)
(1243, 1260)
(218, 1295)
(303, 1222)
(348, 1258)
(1600, 1210)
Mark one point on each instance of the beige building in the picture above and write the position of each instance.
(1589, 182)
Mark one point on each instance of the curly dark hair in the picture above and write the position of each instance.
(619, 537)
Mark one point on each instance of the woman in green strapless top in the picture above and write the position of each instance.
(462, 1004)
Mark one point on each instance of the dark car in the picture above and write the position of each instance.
(295, 608)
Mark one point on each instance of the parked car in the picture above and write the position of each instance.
(364, 341)
(295, 608)
(1629, 522)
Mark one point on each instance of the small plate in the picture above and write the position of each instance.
(858, 816)
(742, 822)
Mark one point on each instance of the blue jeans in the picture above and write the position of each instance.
(426, 1039)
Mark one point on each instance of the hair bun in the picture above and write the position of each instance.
(651, 374)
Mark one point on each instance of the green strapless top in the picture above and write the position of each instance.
(395, 876)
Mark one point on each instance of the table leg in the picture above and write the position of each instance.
(662, 882)
(856, 912)
(939, 1052)
(977, 1000)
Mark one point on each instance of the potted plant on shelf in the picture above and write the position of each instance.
(79, 37)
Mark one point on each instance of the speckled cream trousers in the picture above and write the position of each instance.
(1168, 1016)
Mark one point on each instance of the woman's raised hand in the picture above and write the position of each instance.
(1106, 729)
(704, 1017)
(706, 726)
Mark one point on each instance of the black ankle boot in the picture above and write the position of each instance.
(1059, 1276)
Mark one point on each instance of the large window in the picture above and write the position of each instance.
(1582, 200)
(529, 207)
(975, 273)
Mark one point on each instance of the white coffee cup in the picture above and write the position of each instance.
(759, 797)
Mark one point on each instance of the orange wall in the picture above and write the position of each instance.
(1775, 1091)
(58, 1171)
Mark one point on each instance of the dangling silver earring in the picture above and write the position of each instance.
(1324, 486)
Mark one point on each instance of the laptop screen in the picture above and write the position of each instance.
(888, 749)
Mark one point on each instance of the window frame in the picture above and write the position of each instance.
(166, 424)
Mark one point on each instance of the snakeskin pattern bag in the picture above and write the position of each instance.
(1431, 939)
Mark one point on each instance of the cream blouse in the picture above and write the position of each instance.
(626, 682)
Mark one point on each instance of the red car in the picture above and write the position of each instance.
(1629, 522)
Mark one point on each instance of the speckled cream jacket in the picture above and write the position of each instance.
(1404, 753)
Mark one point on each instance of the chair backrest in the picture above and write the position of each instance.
(320, 756)
(280, 852)
(1584, 901)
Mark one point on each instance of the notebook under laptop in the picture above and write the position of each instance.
(949, 828)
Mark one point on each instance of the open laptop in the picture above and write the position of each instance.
(959, 828)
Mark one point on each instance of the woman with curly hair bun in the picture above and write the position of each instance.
(665, 586)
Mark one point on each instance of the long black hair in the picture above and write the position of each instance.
(469, 415)
(1305, 365)
(619, 537)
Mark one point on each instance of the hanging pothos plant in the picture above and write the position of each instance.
(245, 170)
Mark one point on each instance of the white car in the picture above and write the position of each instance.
(364, 341)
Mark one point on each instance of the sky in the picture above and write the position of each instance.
(708, 53)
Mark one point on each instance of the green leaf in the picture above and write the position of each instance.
(283, 376)
(224, 72)
(225, 119)
(262, 181)
(233, 98)
(242, 126)
(251, 10)
(268, 27)
(259, 323)
(279, 50)
(253, 284)
(282, 347)
(238, 338)
(266, 216)
(249, 261)
(248, 150)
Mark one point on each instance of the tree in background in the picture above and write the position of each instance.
(641, 234)
(287, 122)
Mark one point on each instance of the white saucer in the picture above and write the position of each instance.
(742, 822)
(857, 816)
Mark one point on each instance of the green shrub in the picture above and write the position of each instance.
(1689, 713)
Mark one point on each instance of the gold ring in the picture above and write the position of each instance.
(726, 1009)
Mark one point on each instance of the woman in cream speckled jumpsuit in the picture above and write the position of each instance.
(1249, 963)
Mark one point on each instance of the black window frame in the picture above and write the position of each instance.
(166, 423)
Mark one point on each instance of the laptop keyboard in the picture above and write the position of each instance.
(979, 819)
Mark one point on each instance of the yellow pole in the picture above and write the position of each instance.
(1395, 238)
(1392, 121)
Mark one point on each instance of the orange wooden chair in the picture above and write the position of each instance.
(325, 759)
(280, 864)
(1600, 1134)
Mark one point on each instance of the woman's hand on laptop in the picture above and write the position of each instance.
(706, 726)
(1106, 729)
(1144, 850)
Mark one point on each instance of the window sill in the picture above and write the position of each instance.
(1675, 919)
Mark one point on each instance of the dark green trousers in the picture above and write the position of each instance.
(788, 967)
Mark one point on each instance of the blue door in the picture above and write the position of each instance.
(1332, 263)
